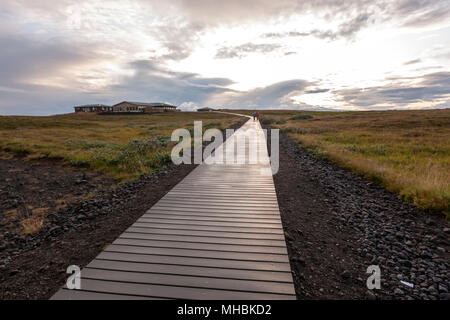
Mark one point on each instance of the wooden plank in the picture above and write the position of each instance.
(220, 201)
(205, 233)
(225, 247)
(216, 210)
(221, 218)
(196, 261)
(230, 255)
(212, 223)
(66, 294)
(212, 214)
(211, 192)
(203, 239)
(188, 281)
(219, 193)
(203, 227)
(213, 204)
(174, 292)
(200, 271)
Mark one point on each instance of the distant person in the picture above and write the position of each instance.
(254, 116)
(257, 116)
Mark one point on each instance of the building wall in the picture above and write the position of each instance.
(92, 109)
(129, 107)
(126, 107)
(153, 109)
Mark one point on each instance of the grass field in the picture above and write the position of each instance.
(120, 146)
(408, 152)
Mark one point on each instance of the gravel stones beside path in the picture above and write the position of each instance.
(337, 224)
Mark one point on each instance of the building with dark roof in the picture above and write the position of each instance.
(145, 107)
(93, 108)
(127, 107)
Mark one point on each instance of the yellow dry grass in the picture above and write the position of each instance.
(32, 225)
(408, 152)
(34, 222)
(121, 146)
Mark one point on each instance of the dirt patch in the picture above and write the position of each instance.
(337, 224)
(92, 225)
(32, 189)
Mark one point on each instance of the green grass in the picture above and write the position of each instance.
(120, 146)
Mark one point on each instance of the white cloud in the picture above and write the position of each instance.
(188, 106)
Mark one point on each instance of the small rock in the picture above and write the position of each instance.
(345, 274)
(432, 290)
(444, 296)
(399, 235)
(299, 260)
(442, 288)
(406, 263)
(54, 229)
(426, 254)
(13, 272)
(399, 292)
(441, 249)
(370, 295)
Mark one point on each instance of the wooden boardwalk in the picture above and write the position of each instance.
(216, 235)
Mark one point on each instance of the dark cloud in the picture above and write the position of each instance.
(23, 58)
(407, 63)
(319, 90)
(278, 35)
(218, 12)
(412, 12)
(27, 63)
(151, 82)
(349, 28)
(346, 30)
(179, 41)
(431, 87)
(277, 95)
(244, 49)
(420, 13)
(34, 99)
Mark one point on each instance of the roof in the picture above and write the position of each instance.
(147, 104)
(92, 105)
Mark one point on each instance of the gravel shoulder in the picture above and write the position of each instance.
(337, 224)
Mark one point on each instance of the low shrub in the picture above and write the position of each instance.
(301, 117)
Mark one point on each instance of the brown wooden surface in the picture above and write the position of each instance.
(216, 235)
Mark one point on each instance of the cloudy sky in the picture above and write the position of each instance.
(290, 54)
